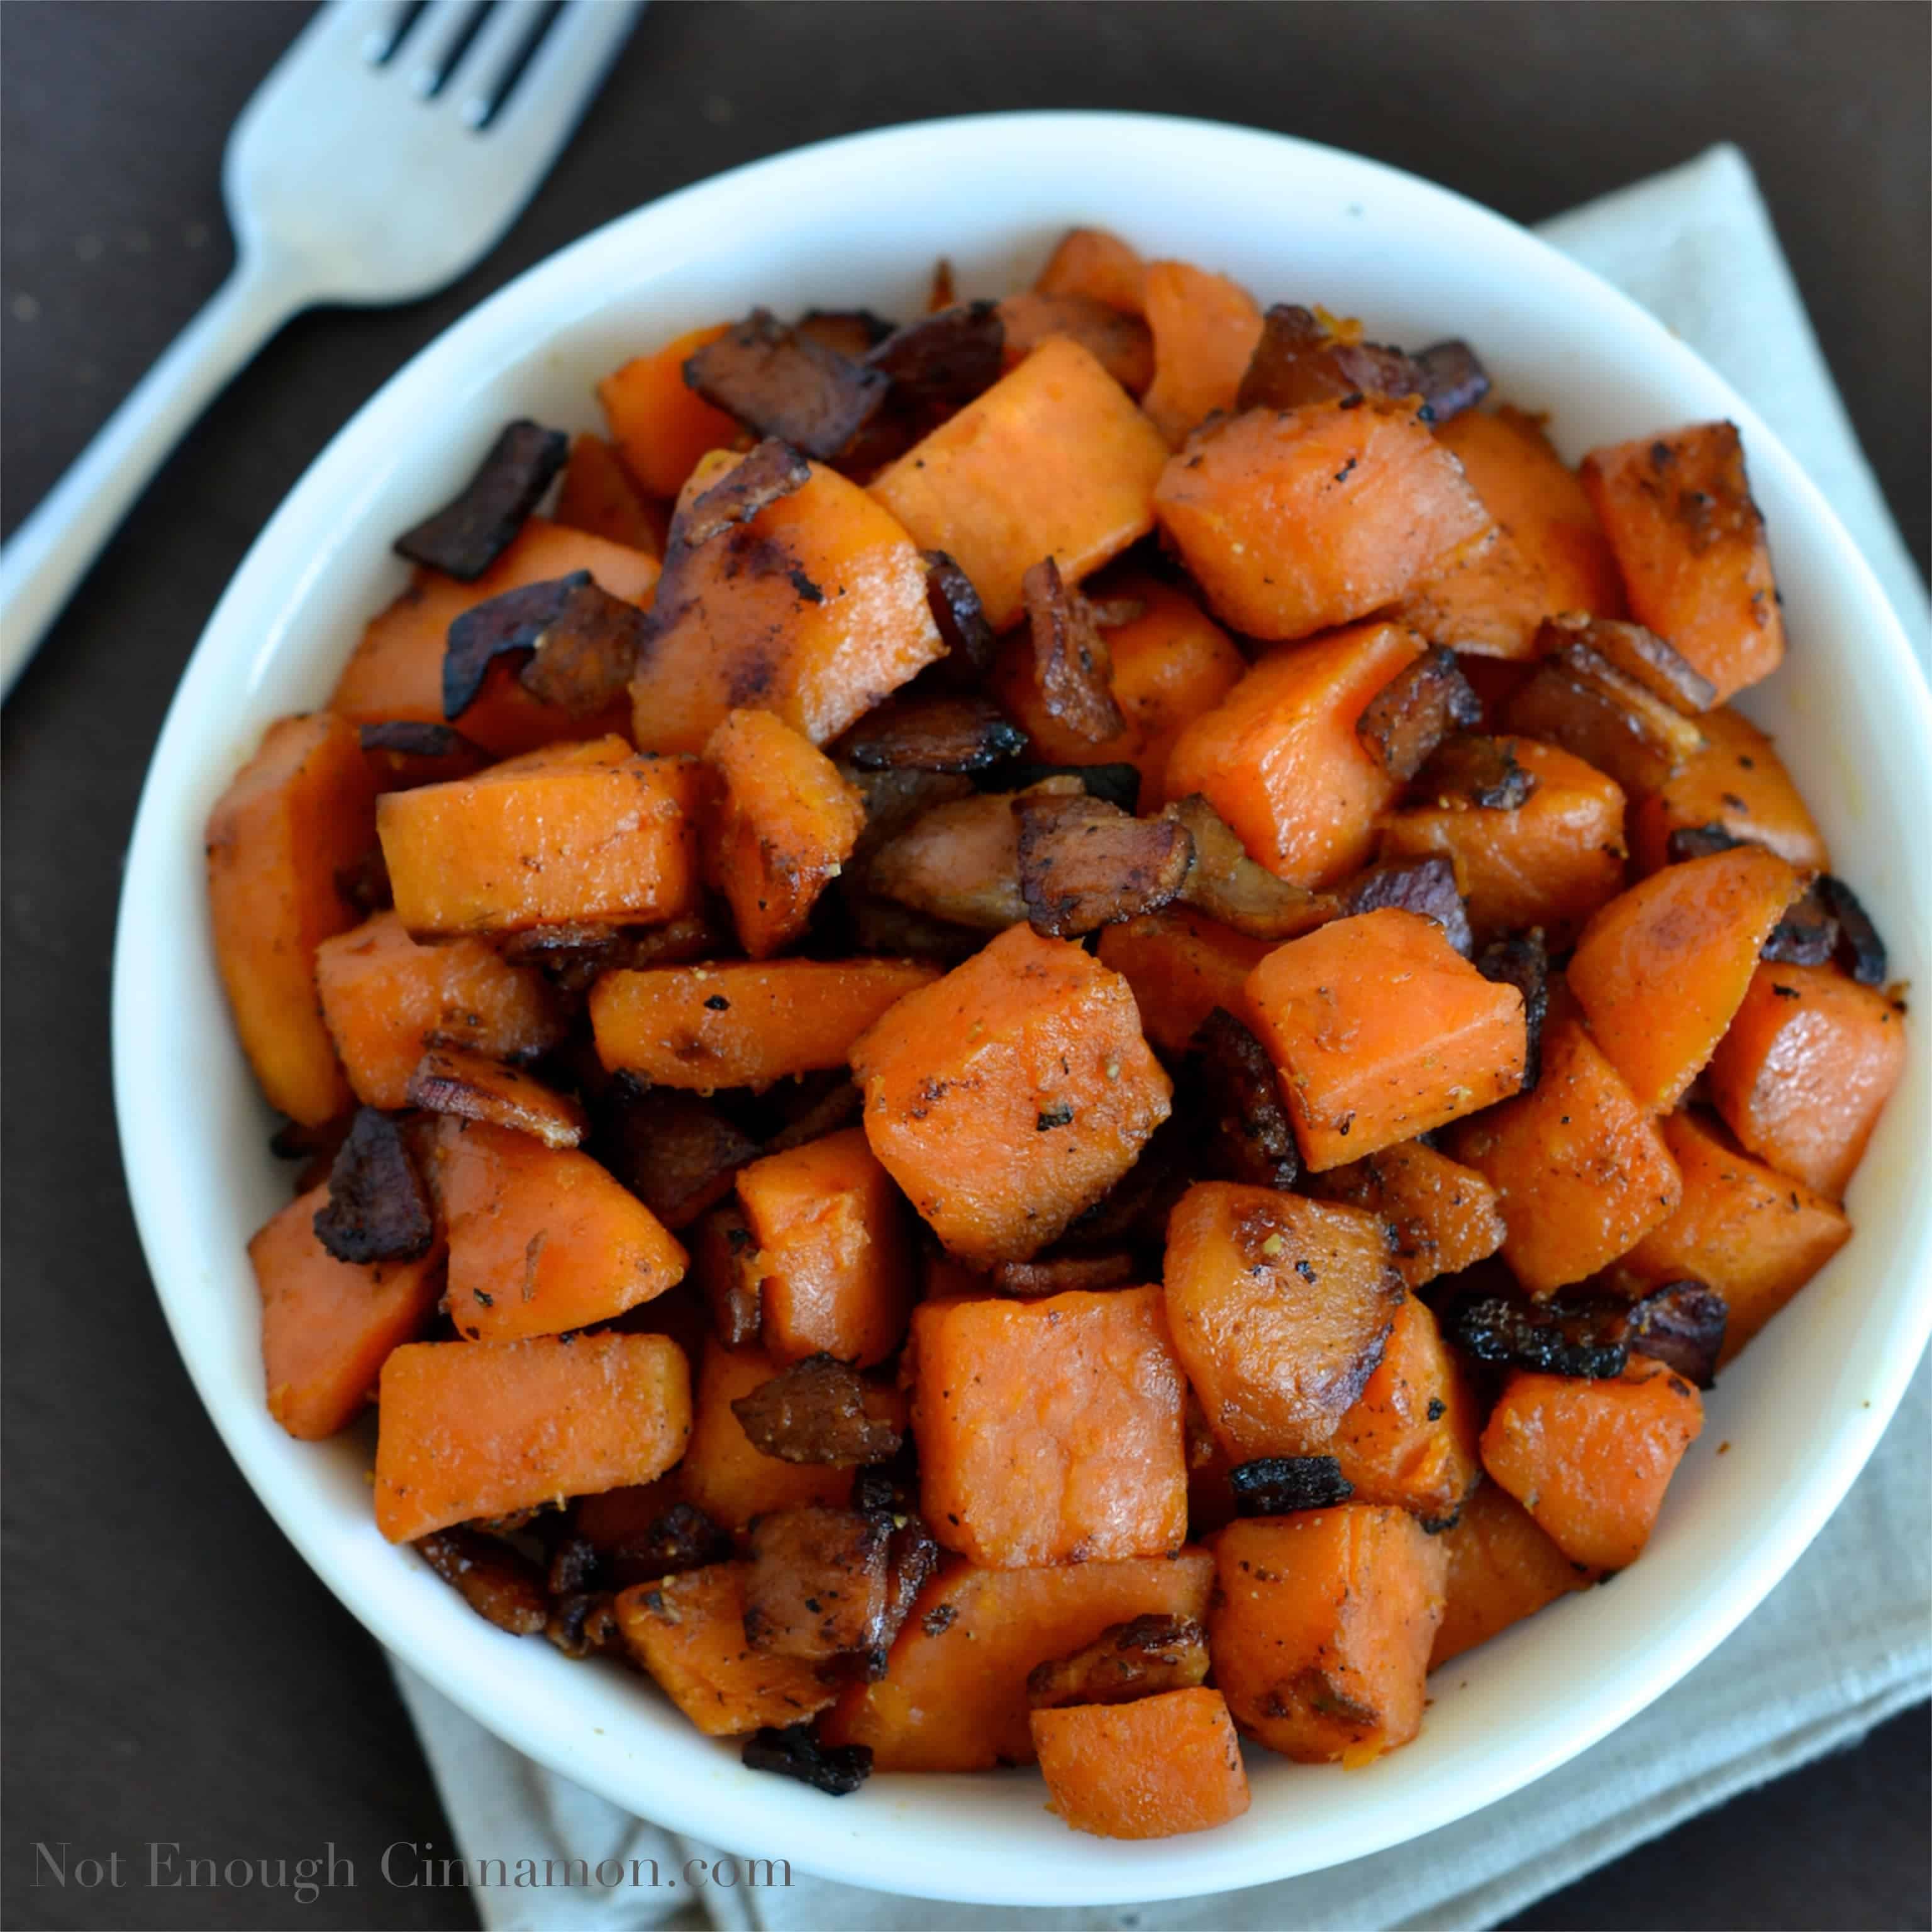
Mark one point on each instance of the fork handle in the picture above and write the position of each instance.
(46, 557)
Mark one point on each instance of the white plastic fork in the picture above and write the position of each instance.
(391, 146)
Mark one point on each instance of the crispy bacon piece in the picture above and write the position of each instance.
(1281, 1485)
(497, 628)
(1419, 707)
(779, 382)
(1059, 1274)
(406, 752)
(1135, 1211)
(468, 534)
(1084, 863)
(1472, 772)
(1424, 886)
(1521, 960)
(1698, 842)
(932, 731)
(1140, 1658)
(1226, 884)
(837, 1770)
(814, 1412)
(683, 1538)
(1453, 379)
(1304, 356)
(852, 333)
(1807, 932)
(676, 1153)
(378, 1209)
(584, 1624)
(1639, 654)
(961, 619)
(1122, 344)
(453, 1080)
(498, 1583)
(960, 861)
(583, 659)
(1681, 1324)
(773, 470)
(571, 957)
(818, 1582)
(1071, 662)
(1246, 1135)
(1860, 952)
(937, 365)
(1586, 1336)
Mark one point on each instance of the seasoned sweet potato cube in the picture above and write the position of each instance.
(1661, 970)
(1293, 521)
(1090, 262)
(1804, 1071)
(1738, 783)
(722, 1474)
(1053, 460)
(1050, 1432)
(817, 1584)
(1280, 1309)
(954, 1696)
(1279, 759)
(385, 999)
(1010, 1095)
(1580, 1169)
(1502, 1568)
(1444, 1216)
(688, 1632)
(1690, 544)
(659, 422)
(480, 1428)
(1322, 1628)
(1154, 1769)
(1591, 1460)
(1382, 1030)
(599, 495)
(327, 1326)
(1181, 966)
(833, 1251)
(299, 814)
(1205, 328)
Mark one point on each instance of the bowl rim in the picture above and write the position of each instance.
(865, 1857)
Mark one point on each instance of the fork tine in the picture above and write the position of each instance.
(441, 39)
(563, 73)
(495, 56)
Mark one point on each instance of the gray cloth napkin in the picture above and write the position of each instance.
(1844, 1642)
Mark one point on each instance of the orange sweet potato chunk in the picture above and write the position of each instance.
(1205, 328)
(1153, 1768)
(1737, 781)
(302, 810)
(1381, 1031)
(1011, 1094)
(722, 1473)
(1661, 970)
(1053, 460)
(471, 1429)
(327, 1326)
(815, 608)
(703, 1028)
(1322, 1628)
(1293, 521)
(1580, 1170)
(1050, 1432)
(1090, 262)
(1690, 544)
(1279, 759)
(1552, 862)
(1803, 1072)
(1181, 966)
(1591, 1460)
(781, 821)
(599, 496)
(834, 1256)
(385, 999)
(660, 424)
(542, 1240)
(954, 1696)
(1502, 1568)
(688, 1632)
(1443, 1217)
(1281, 1309)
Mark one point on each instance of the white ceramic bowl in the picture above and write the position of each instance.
(860, 220)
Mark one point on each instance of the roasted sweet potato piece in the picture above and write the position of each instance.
(1591, 1460)
(599, 495)
(406, 752)
(500, 1584)
(1010, 1095)
(451, 1080)
(1121, 344)
(327, 1325)
(817, 1411)
(817, 1584)
(954, 1696)
(378, 1209)
(1322, 1628)
(660, 425)
(1090, 262)
(1230, 1084)
(1304, 355)
(476, 1429)
(688, 1632)
(1581, 701)
(1293, 521)
(471, 532)
(1521, 960)
(1204, 328)
(1280, 1309)
(1180, 967)
(1419, 707)
(1502, 1568)
(1084, 863)
(1283, 1485)
(1443, 1217)
(1690, 543)
(1426, 887)
(676, 1153)
(1168, 1764)
(1409, 1439)
(1142, 1658)
(1224, 882)
(1053, 460)
(779, 382)
(1738, 783)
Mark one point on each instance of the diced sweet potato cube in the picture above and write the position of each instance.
(1011, 1094)
(833, 1253)
(1205, 328)
(1551, 861)
(1661, 970)
(1502, 1568)
(661, 425)
(1444, 1216)
(1280, 1309)
(1152, 1769)
(687, 1631)
(1181, 966)
(1293, 521)
(327, 1326)
(1737, 782)
(1091, 262)
(1053, 460)
(721, 1473)
(707, 1027)
(385, 999)
(1591, 1460)
(471, 1429)
(301, 812)
(1804, 1071)
(598, 495)
(1690, 544)
(1382, 1030)
(1322, 1628)
(954, 1696)
(815, 608)
(1050, 1432)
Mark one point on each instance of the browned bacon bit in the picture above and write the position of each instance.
(1424, 886)
(498, 1583)
(1639, 654)
(1860, 952)
(468, 535)
(1226, 884)
(1247, 1137)
(1122, 344)
(1059, 1274)
(960, 861)
(961, 619)
(1419, 706)
(932, 731)
(572, 957)
(911, 1557)
(1071, 662)
(1085, 864)
(1521, 960)
(1281, 1485)
(1119, 784)
(315, 1147)
(584, 1624)
(941, 292)
(583, 661)
(1140, 1658)
(683, 1538)
(1301, 359)
(1807, 932)
(453, 1080)
(938, 365)
(814, 1412)
(1453, 379)
(724, 1264)
(1580, 701)
(1586, 1336)
(1681, 1324)
(808, 1110)
(817, 1584)
(573, 1563)
(1473, 772)
(365, 884)
(1136, 1210)
(377, 1209)
(510, 623)
(1698, 842)
(773, 470)
(780, 382)
(675, 1152)
(837, 1770)
(407, 752)
(851, 332)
